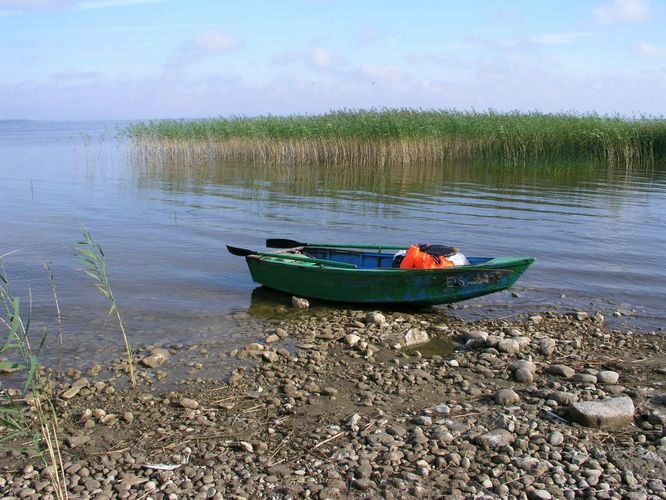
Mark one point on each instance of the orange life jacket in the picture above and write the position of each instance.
(416, 259)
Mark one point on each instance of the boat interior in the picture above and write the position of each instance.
(367, 259)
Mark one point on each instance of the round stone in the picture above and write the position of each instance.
(507, 397)
(608, 377)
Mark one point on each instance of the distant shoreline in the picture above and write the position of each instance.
(16, 120)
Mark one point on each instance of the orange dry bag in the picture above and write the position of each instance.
(408, 261)
(416, 259)
(426, 261)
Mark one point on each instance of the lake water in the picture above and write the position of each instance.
(598, 234)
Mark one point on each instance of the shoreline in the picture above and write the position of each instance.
(333, 409)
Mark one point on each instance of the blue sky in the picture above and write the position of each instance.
(132, 59)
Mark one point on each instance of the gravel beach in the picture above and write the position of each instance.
(362, 404)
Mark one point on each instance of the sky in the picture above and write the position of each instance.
(144, 59)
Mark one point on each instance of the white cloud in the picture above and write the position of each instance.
(382, 72)
(321, 57)
(73, 74)
(371, 36)
(558, 38)
(102, 4)
(325, 61)
(622, 11)
(22, 5)
(650, 50)
(500, 84)
(368, 36)
(196, 49)
(215, 42)
(285, 57)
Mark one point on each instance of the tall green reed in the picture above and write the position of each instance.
(92, 257)
(405, 136)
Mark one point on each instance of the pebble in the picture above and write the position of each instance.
(415, 336)
(523, 375)
(608, 377)
(109, 419)
(563, 398)
(352, 339)
(75, 388)
(443, 409)
(375, 318)
(246, 446)
(555, 438)
(541, 495)
(507, 397)
(270, 356)
(157, 357)
(547, 346)
(329, 391)
(189, 403)
(584, 378)
(496, 439)
(424, 420)
(475, 337)
(300, 303)
(509, 346)
(523, 364)
(561, 371)
(95, 370)
(76, 441)
(363, 484)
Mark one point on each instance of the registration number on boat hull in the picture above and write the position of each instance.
(481, 278)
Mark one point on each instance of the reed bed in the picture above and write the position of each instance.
(404, 137)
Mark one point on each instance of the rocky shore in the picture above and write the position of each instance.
(366, 404)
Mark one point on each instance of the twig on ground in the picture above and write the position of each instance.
(335, 436)
(280, 446)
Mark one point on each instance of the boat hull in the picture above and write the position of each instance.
(414, 286)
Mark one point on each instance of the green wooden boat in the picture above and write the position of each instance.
(365, 274)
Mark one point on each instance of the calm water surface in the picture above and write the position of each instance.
(598, 233)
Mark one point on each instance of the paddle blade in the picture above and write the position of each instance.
(241, 252)
(283, 243)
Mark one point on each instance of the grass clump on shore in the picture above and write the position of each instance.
(405, 136)
(38, 389)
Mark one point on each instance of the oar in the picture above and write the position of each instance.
(284, 243)
(243, 252)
